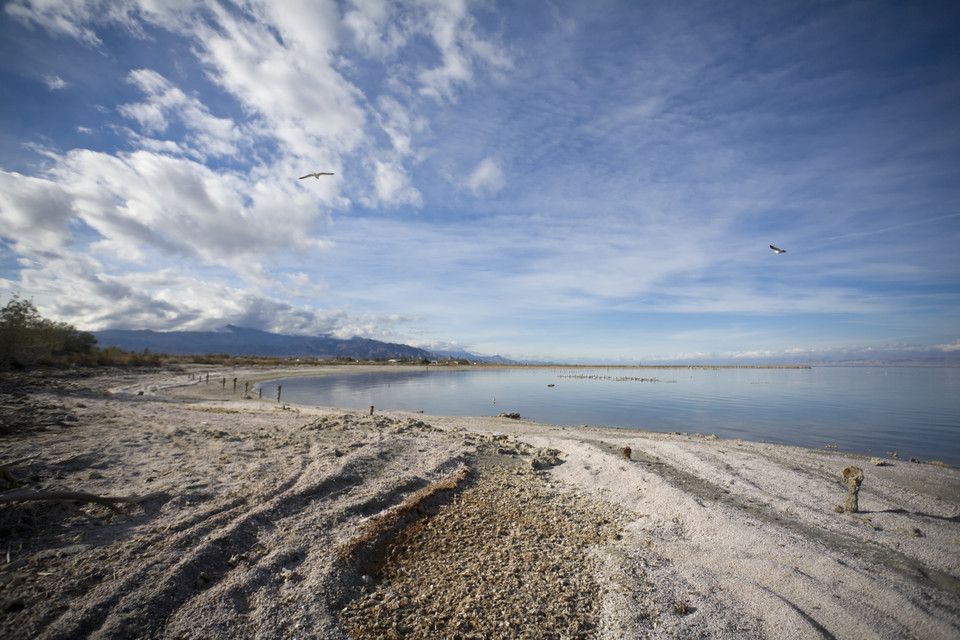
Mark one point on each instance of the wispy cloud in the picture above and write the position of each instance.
(487, 178)
(502, 171)
(55, 83)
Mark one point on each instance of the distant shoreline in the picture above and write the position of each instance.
(641, 366)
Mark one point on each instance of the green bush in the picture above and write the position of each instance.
(28, 339)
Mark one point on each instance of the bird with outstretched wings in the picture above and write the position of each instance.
(316, 175)
(778, 250)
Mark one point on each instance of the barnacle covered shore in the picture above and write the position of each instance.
(223, 516)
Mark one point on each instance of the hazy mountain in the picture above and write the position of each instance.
(239, 341)
(472, 357)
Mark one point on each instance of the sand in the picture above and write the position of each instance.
(253, 519)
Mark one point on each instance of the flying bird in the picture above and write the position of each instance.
(315, 175)
(778, 250)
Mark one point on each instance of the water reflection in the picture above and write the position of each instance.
(915, 411)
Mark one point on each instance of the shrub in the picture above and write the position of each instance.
(27, 339)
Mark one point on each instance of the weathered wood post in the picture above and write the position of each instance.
(234, 385)
(371, 409)
(246, 389)
(279, 387)
(223, 383)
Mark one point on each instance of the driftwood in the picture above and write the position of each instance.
(28, 495)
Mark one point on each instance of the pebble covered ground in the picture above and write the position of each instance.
(508, 557)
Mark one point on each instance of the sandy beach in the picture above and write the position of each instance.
(240, 517)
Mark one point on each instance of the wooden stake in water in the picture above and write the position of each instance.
(279, 387)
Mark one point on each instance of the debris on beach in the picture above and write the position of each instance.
(853, 478)
(544, 458)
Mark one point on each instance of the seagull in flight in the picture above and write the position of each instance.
(778, 250)
(315, 175)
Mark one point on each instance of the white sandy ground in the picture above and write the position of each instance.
(723, 539)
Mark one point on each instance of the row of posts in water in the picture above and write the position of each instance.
(246, 388)
(582, 376)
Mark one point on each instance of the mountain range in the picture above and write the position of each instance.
(241, 341)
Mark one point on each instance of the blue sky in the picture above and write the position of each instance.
(567, 181)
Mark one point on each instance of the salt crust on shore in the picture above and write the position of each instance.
(278, 521)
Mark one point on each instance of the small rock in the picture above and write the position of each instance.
(878, 462)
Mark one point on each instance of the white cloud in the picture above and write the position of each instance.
(54, 83)
(144, 205)
(209, 135)
(301, 285)
(486, 178)
(79, 290)
(373, 33)
(79, 18)
(393, 185)
(280, 61)
(142, 212)
(62, 18)
(399, 124)
(35, 214)
(301, 99)
(657, 160)
(950, 347)
(451, 27)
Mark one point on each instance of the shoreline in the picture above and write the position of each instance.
(865, 446)
(703, 537)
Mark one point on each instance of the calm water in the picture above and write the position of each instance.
(914, 411)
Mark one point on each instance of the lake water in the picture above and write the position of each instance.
(872, 410)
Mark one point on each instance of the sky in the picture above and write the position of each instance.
(567, 181)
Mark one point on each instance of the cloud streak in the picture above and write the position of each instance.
(501, 171)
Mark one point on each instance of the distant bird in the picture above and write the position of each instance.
(778, 250)
(315, 175)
